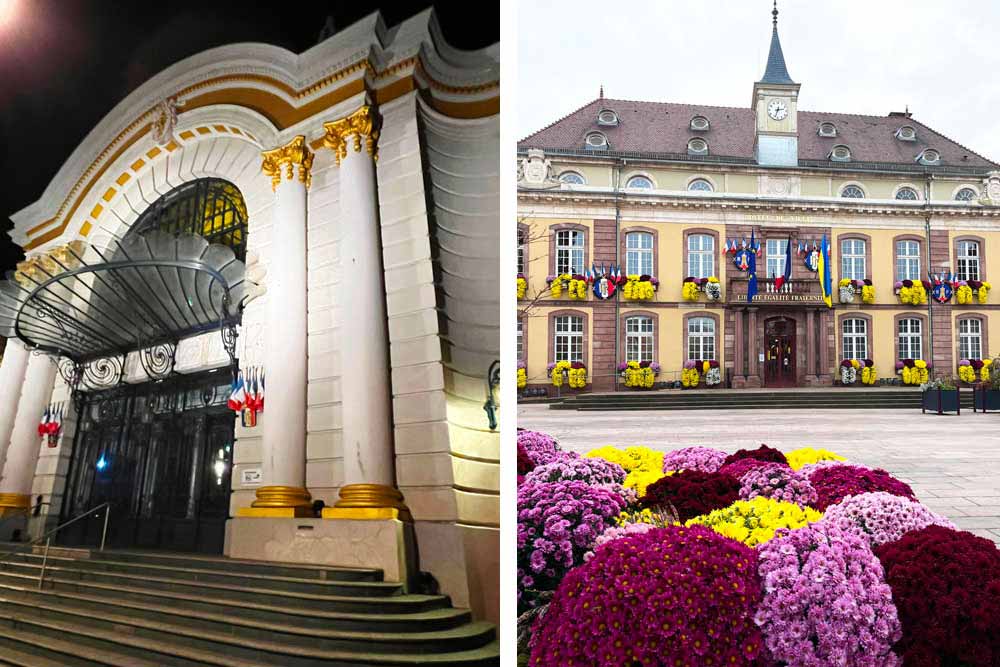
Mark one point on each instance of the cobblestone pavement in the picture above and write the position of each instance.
(952, 462)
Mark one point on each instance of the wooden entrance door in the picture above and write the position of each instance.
(779, 353)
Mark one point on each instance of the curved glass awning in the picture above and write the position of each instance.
(147, 290)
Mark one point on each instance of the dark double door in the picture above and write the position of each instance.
(779, 353)
(161, 452)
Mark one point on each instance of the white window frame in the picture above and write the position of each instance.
(701, 338)
(853, 187)
(567, 343)
(968, 266)
(569, 174)
(851, 260)
(639, 253)
(699, 256)
(700, 185)
(963, 188)
(910, 335)
(776, 257)
(907, 188)
(908, 262)
(854, 338)
(571, 246)
(520, 339)
(520, 250)
(970, 338)
(630, 184)
(640, 338)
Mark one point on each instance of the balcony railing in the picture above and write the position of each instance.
(792, 292)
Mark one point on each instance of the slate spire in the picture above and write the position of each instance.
(776, 71)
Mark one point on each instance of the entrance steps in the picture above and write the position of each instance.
(154, 609)
(742, 399)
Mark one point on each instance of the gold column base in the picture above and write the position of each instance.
(361, 502)
(14, 504)
(291, 502)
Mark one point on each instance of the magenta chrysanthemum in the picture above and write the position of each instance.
(881, 517)
(835, 483)
(668, 596)
(777, 481)
(740, 467)
(617, 532)
(702, 459)
(541, 449)
(826, 601)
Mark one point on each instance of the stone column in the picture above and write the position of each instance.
(15, 360)
(823, 372)
(22, 454)
(283, 423)
(753, 372)
(739, 369)
(810, 346)
(369, 490)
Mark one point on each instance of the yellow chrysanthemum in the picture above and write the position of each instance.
(630, 458)
(755, 521)
(522, 288)
(689, 292)
(806, 455)
(522, 378)
(640, 479)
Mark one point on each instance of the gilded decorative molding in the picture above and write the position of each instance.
(39, 268)
(295, 152)
(361, 125)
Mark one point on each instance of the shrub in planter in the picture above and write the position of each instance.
(946, 586)
(668, 596)
(834, 483)
(777, 481)
(704, 459)
(557, 524)
(762, 453)
(692, 493)
(881, 517)
(825, 601)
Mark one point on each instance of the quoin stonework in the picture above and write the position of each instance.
(666, 192)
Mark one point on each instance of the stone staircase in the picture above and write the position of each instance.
(724, 399)
(155, 609)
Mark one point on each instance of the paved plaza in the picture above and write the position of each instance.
(952, 462)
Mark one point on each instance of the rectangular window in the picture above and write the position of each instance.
(701, 338)
(569, 251)
(701, 255)
(776, 257)
(855, 339)
(520, 251)
(569, 338)
(520, 339)
(970, 339)
(639, 339)
(852, 260)
(910, 339)
(639, 253)
(968, 261)
(908, 263)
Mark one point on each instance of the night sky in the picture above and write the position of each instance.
(64, 64)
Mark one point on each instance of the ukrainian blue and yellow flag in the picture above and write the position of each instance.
(824, 273)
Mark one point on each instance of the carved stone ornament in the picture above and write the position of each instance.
(281, 162)
(535, 171)
(165, 120)
(991, 189)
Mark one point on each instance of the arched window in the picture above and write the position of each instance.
(640, 183)
(908, 261)
(639, 340)
(911, 342)
(209, 207)
(966, 194)
(827, 130)
(701, 338)
(852, 192)
(968, 260)
(906, 133)
(596, 141)
(700, 185)
(854, 338)
(840, 153)
(698, 146)
(568, 343)
(571, 178)
(852, 260)
(929, 156)
(699, 123)
(701, 256)
(970, 338)
(639, 253)
(907, 194)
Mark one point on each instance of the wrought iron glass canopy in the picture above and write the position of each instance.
(144, 293)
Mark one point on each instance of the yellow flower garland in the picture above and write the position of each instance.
(639, 377)
(522, 378)
(868, 375)
(690, 377)
(963, 294)
(638, 290)
(522, 288)
(577, 376)
(868, 294)
(689, 292)
(967, 374)
(984, 372)
(915, 295)
(917, 375)
(630, 458)
(755, 521)
(578, 289)
(984, 292)
(806, 455)
(557, 285)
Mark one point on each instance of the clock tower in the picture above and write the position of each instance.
(775, 103)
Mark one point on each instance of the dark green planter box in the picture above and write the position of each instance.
(941, 401)
(985, 399)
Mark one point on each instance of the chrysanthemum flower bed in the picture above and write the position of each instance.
(760, 558)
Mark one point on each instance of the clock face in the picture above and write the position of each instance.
(777, 110)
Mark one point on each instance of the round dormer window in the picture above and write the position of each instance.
(840, 153)
(698, 146)
(699, 123)
(827, 130)
(930, 156)
(596, 140)
(607, 117)
(907, 133)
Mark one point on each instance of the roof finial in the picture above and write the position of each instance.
(774, 13)
(602, 91)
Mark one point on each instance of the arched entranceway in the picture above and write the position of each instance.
(779, 352)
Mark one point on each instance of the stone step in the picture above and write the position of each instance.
(40, 650)
(233, 577)
(12, 656)
(234, 635)
(106, 635)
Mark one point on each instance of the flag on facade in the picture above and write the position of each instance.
(824, 273)
(752, 271)
(781, 280)
(43, 426)
(237, 397)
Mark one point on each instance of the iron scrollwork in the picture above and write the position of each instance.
(158, 360)
(104, 373)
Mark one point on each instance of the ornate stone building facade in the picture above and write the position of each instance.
(666, 192)
(334, 216)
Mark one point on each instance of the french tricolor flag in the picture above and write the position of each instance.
(238, 396)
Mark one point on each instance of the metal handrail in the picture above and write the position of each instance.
(48, 537)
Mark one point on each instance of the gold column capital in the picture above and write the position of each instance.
(362, 124)
(283, 160)
(14, 504)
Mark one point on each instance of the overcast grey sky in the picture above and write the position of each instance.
(850, 56)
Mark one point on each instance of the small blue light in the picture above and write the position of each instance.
(102, 463)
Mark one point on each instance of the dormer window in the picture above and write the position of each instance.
(929, 156)
(596, 142)
(699, 123)
(571, 178)
(607, 117)
(840, 153)
(906, 133)
(827, 130)
(697, 146)
(639, 183)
